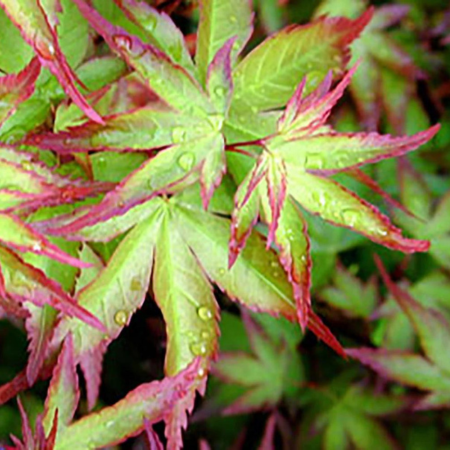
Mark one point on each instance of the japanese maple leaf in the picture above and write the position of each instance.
(430, 372)
(387, 73)
(348, 416)
(199, 103)
(268, 374)
(295, 166)
(429, 222)
(350, 294)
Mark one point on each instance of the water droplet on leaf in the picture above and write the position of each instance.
(37, 246)
(220, 91)
(233, 19)
(186, 161)
(199, 348)
(121, 318)
(178, 134)
(135, 284)
(205, 313)
(122, 41)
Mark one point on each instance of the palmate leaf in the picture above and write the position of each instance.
(294, 166)
(269, 373)
(430, 373)
(347, 416)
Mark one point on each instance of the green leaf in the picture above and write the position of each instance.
(186, 300)
(219, 22)
(268, 76)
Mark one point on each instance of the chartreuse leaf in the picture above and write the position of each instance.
(14, 89)
(126, 418)
(37, 30)
(268, 76)
(186, 300)
(431, 373)
(190, 312)
(219, 22)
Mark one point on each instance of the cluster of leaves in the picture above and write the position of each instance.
(138, 164)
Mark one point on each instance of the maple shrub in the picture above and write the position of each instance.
(139, 164)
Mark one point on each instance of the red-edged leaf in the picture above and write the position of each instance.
(341, 207)
(158, 127)
(182, 290)
(333, 152)
(16, 88)
(27, 432)
(316, 325)
(125, 419)
(276, 192)
(37, 30)
(405, 368)
(292, 239)
(266, 77)
(308, 114)
(18, 235)
(63, 393)
(246, 211)
(113, 295)
(159, 175)
(363, 178)
(27, 283)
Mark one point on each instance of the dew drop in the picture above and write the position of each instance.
(135, 284)
(122, 41)
(220, 91)
(216, 121)
(276, 274)
(148, 22)
(205, 313)
(205, 335)
(314, 161)
(178, 134)
(274, 264)
(233, 19)
(222, 271)
(101, 162)
(37, 246)
(350, 217)
(121, 317)
(198, 348)
(26, 165)
(186, 161)
(201, 372)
